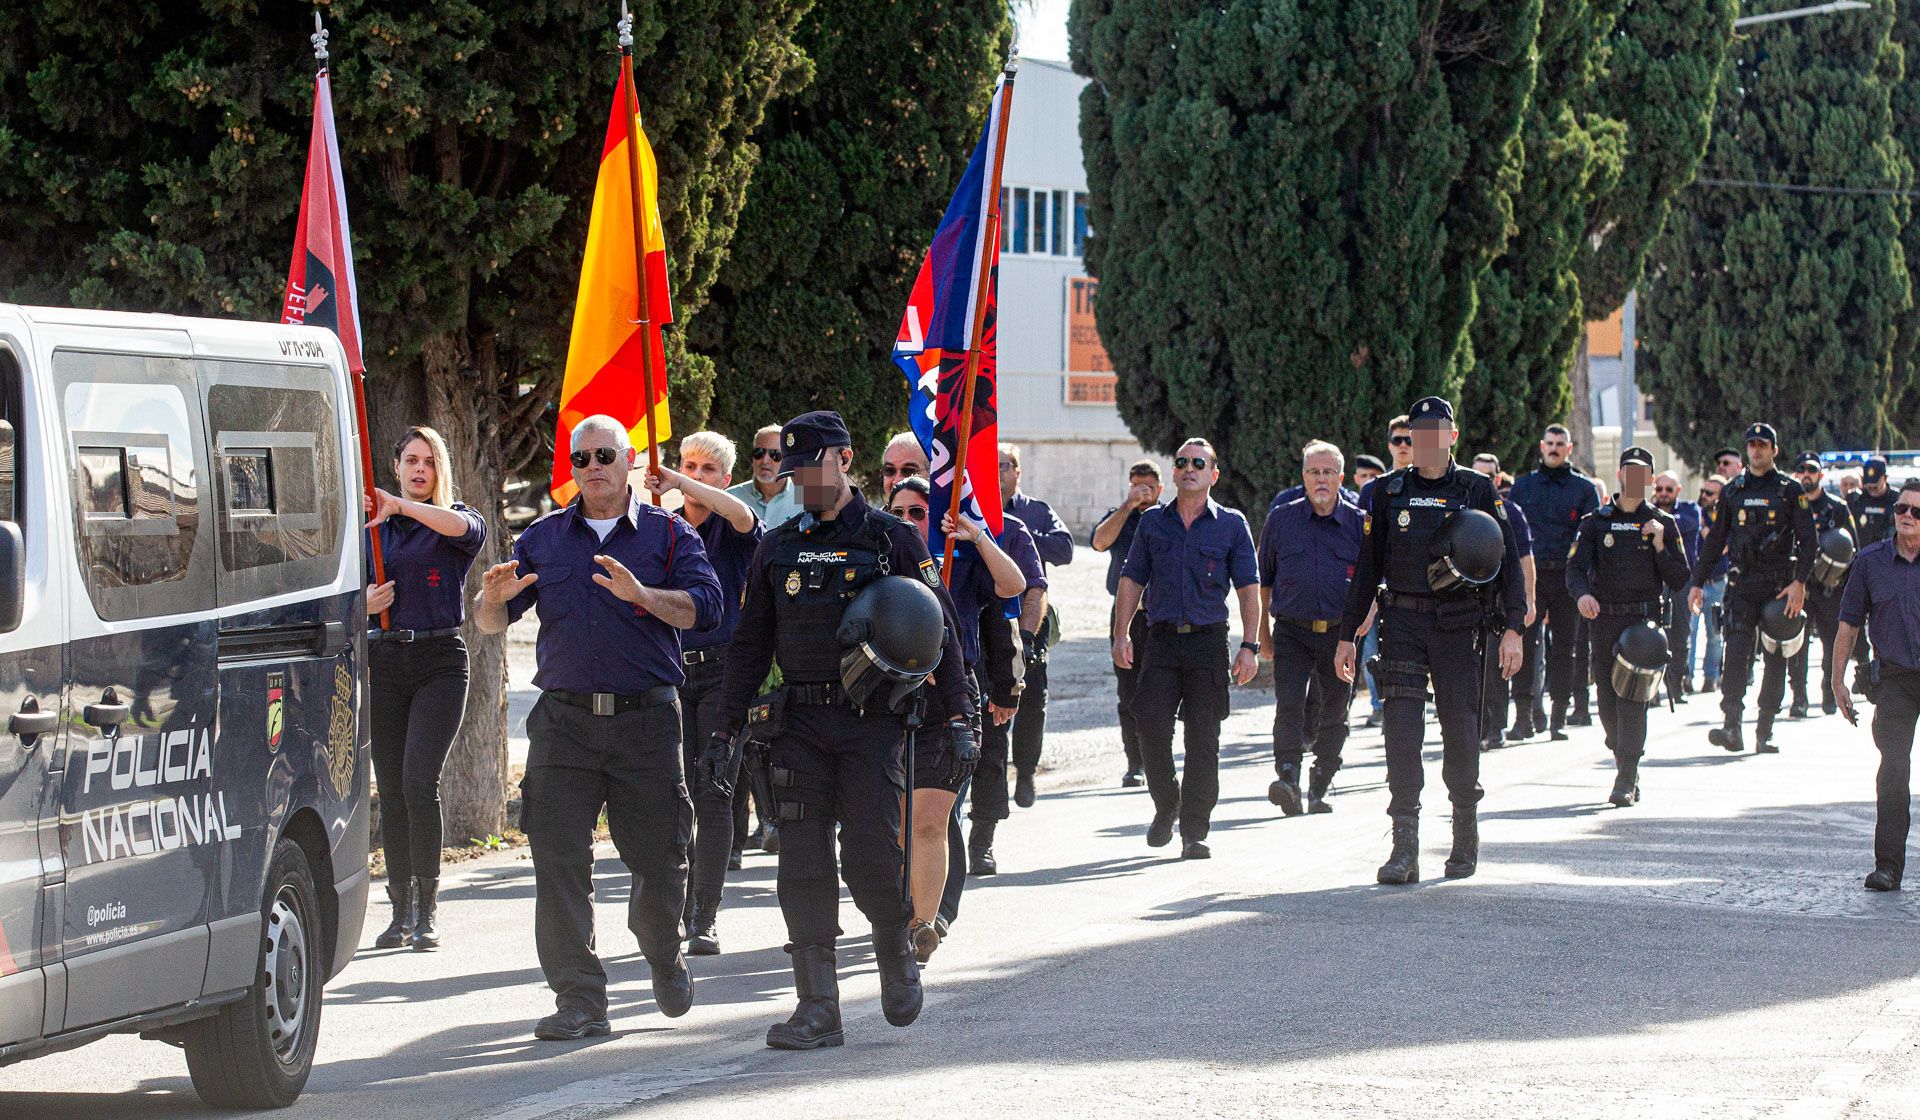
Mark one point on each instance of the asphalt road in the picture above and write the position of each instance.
(1706, 954)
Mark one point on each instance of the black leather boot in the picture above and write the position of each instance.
(1317, 788)
(1522, 728)
(1465, 856)
(1582, 715)
(900, 993)
(1626, 782)
(1557, 730)
(980, 849)
(400, 895)
(1285, 791)
(1799, 708)
(1403, 865)
(426, 893)
(702, 940)
(1727, 735)
(1763, 735)
(816, 1022)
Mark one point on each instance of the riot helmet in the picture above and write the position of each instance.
(1830, 564)
(1466, 551)
(1639, 660)
(892, 634)
(1779, 634)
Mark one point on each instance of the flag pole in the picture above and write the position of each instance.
(632, 109)
(989, 249)
(355, 366)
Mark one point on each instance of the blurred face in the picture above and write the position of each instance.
(416, 471)
(1728, 464)
(904, 460)
(1322, 475)
(600, 481)
(1194, 470)
(1633, 481)
(1554, 449)
(1809, 477)
(766, 458)
(1666, 491)
(1710, 493)
(1364, 475)
(823, 484)
(1432, 444)
(1400, 446)
(911, 508)
(1009, 473)
(1760, 455)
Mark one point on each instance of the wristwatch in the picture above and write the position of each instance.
(1253, 646)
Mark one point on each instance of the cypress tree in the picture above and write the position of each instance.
(854, 173)
(1292, 203)
(155, 162)
(1778, 300)
(1904, 417)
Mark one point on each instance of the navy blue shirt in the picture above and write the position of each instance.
(1308, 559)
(429, 571)
(730, 552)
(1555, 498)
(1883, 594)
(590, 641)
(1522, 532)
(1299, 491)
(1117, 552)
(1189, 573)
(1687, 515)
(1050, 534)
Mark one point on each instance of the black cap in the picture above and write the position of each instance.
(1875, 470)
(1368, 462)
(1430, 410)
(1724, 452)
(1807, 459)
(1636, 457)
(1765, 432)
(807, 438)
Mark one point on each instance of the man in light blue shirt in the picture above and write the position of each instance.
(766, 493)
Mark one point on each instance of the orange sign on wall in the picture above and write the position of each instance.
(1603, 336)
(1085, 353)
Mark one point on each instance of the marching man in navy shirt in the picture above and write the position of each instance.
(616, 582)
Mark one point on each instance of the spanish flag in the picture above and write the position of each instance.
(605, 371)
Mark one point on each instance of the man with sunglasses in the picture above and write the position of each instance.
(1677, 620)
(1883, 595)
(1188, 557)
(1765, 528)
(1037, 619)
(766, 491)
(903, 458)
(1872, 509)
(1823, 603)
(835, 768)
(1556, 495)
(616, 582)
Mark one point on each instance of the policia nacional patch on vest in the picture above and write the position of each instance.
(930, 572)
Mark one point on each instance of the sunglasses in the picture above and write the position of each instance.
(602, 455)
(1907, 509)
(911, 513)
(767, 453)
(1197, 462)
(904, 472)
(1400, 441)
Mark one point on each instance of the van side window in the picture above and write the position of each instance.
(12, 422)
(276, 442)
(133, 432)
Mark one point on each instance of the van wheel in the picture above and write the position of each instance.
(257, 1052)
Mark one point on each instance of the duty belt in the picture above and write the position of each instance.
(1642, 607)
(1317, 625)
(1425, 604)
(816, 693)
(410, 635)
(615, 703)
(702, 656)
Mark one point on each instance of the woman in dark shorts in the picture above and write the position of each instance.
(982, 573)
(418, 671)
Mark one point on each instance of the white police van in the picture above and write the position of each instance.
(183, 784)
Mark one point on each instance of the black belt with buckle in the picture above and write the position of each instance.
(1185, 627)
(410, 635)
(1643, 607)
(615, 703)
(816, 693)
(693, 657)
(1317, 625)
(1425, 604)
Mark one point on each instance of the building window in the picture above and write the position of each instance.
(1080, 223)
(1020, 209)
(1042, 222)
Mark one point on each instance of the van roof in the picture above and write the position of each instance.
(216, 338)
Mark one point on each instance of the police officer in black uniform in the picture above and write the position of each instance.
(1626, 554)
(1830, 515)
(831, 763)
(1872, 509)
(1428, 633)
(1765, 527)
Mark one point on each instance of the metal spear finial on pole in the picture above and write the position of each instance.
(1013, 49)
(626, 27)
(319, 39)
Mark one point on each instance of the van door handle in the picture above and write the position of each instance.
(109, 713)
(330, 639)
(30, 722)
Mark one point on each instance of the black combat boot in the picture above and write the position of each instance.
(1285, 790)
(900, 994)
(1557, 730)
(672, 986)
(980, 849)
(1626, 782)
(1582, 716)
(1317, 788)
(1466, 842)
(426, 893)
(400, 894)
(1403, 865)
(1799, 708)
(1763, 735)
(702, 940)
(1522, 728)
(816, 1022)
(1727, 735)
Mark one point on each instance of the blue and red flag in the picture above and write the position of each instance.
(937, 332)
(320, 285)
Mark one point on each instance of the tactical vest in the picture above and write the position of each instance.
(1873, 517)
(1414, 513)
(1625, 567)
(813, 581)
(1762, 529)
(1826, 513)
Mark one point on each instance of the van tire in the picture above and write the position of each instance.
(258, 1051)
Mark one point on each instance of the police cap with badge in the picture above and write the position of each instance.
(806, 440)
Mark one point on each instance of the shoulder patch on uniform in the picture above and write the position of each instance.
(1366, 524)
(1575, 548)
(930, 572)
(1499, 507)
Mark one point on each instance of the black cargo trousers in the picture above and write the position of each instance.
(1415, 648)
(629, 764)
(1747, 598)
(831, 765)
(700, 717)
(1624, 722)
